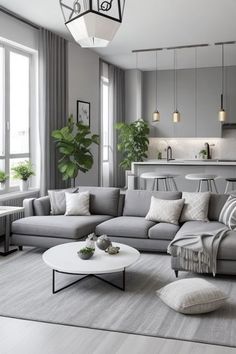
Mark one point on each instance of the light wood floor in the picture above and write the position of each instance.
(29, 337)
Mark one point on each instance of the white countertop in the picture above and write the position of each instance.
(214, 162)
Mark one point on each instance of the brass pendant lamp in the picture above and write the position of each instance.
(176, 114)
(156, 114)
(222, 113)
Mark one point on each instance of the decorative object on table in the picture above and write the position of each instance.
(3, 179)
(133, 142)
(159, 155)
(83, 112)
(112, 250)
(192, 296)
(86, 253)
(74, 144)
(90, 240)
(93, 23)
(103, 242)
(23, 171)
(202, 154)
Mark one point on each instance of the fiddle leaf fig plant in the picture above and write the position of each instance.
(74, 142)
(133, 142)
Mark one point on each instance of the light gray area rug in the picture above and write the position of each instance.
(25, 292)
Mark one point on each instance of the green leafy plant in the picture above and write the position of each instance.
(87, 250)
(23, 170)
(203, 153)
(74, 142)
(3, 177)
(133, 142)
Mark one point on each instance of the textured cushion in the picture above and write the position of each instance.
(192, 296)
(137, 203)
(228, 213)
(195, 207)
(163, 231)
(58, 225)
(77, 204)
(125, 226)
(103, 201)
(58, 200)
(216, 203)
(165, 210)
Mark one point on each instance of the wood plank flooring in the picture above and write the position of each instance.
(29, 337)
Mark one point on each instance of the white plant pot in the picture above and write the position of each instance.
(2, 185)
(24, 185)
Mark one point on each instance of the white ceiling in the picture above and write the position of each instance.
(151, 24)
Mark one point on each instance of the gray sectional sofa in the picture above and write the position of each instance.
(122, 218)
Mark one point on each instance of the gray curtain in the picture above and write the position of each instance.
(116, 114)
(52, 104)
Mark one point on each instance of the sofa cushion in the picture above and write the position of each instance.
(125, 226)
(163, 231)
(103, 201)
(196, 206)
(199, 226)
(165, 210)
(58, 226)
(137, 203)
(216, 203)
(227, 249)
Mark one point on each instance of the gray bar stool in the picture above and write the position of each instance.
(201, 178)
(230, 183)
(168, 181)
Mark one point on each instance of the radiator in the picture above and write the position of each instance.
(16, 200)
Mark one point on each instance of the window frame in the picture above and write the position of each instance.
(6, 109)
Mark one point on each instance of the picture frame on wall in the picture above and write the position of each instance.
(83, 112)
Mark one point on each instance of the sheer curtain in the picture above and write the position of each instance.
(116, 114)
(52, 104)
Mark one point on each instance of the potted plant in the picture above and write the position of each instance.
(133, 143)
(3, 178)
(23, 171)
(74, 142)
(86, 253)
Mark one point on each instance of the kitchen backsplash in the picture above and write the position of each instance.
(189, 148)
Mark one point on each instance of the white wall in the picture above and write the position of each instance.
(17, 32)
(83, 72)
(133, 95)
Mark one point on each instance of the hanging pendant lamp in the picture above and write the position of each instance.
(93, 23)
(156, 114)
(222, 113)
(176, 114)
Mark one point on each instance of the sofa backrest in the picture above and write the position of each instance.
(216, 203)
(137, 202)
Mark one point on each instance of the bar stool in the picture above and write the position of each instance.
(230, 181)
(209, 179)
(168, 180)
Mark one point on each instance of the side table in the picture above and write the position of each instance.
(7, 211)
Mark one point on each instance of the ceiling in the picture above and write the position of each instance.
(153, 24)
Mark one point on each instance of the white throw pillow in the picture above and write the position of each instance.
(165, 210)
(192, 296)
(228, 213)
(77, 204)
(195, 207)
(58, 200)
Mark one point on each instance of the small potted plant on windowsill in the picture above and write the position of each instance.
(23, 171)
(3, 178)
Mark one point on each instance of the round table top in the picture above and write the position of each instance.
(64, 258)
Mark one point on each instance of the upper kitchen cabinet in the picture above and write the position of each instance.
(208, 102)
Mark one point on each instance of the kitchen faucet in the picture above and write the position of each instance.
(169, 153)
(208, 153)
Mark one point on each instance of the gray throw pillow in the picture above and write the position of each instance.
(195, 207)
(58, 200)
(228, 213)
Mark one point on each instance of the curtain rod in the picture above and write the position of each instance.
(17, 17)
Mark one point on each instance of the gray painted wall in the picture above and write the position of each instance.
(133, 95)
(83, 73)
(200, 116)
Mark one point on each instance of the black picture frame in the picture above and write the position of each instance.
(83, 112)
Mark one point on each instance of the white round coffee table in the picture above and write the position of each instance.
(64, 259)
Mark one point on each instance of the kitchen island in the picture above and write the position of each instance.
(223, 168)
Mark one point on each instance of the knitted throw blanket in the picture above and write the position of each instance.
(198, 252)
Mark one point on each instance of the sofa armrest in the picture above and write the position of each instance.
(28, 204)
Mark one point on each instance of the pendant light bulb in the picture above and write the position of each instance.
(222, 115)
(176, 117)
(156, 117)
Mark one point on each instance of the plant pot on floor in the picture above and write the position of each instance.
(24, 185)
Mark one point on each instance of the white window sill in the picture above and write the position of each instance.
(15, 194)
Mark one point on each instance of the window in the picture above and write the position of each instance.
(15, 108)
